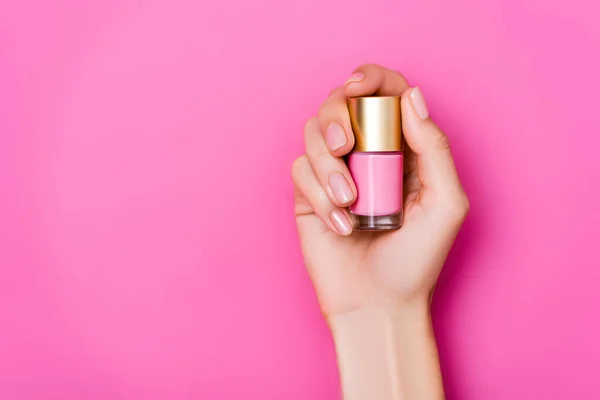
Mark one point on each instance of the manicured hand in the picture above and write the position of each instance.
(352, 270)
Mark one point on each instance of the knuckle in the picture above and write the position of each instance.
(442, 142)
(337, 91)
(459, 206)
(371, 71)
(400, 74)
(321, 155)
(466, 203)
(323, 113)
(298, 166)
(310, 126)
(332, 108)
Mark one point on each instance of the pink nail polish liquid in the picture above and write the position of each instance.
(376, 163)
(378, 179)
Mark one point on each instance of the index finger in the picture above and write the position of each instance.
(372, 79)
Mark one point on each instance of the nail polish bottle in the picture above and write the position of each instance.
(376, 162)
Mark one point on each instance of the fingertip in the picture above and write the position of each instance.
(334, 121)
(339, 141)
(408, 114)
(341, 221)
(310, 125)
(418, 103)
(405, 97)
(406, 94)
(376, 80)
(356, 77)
(416, 130)
(365, 80)
(415, 114)
(358, 88)
(342, 189)
(414, 106)
(428, 142)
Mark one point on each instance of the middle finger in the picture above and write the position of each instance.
(334, 121)
(331, 172)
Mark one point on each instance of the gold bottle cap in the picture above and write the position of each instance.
(376, 122)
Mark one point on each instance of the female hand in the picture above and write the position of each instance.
(353, 270)
(375, 288)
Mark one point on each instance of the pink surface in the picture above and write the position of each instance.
(378, 179)
(147, 244)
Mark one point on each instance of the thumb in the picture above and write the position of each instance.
(435, 166)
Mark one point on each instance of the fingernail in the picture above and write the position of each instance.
(340, 188)
(418, 103)
(341, 222)
(356, 77)
(335, 137)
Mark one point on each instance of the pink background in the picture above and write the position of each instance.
(147, 244)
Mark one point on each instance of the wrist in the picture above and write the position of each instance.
(397, 311)
(387, 352)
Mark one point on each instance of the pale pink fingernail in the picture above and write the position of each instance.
(355, 77)
(335, 137)
(340, 188)
(418, 103)
(341, 222)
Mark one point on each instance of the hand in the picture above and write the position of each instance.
(354, 270)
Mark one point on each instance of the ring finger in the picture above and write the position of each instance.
(334, 218)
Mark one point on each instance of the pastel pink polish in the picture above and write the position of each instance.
(340, 221)
(376, 162)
